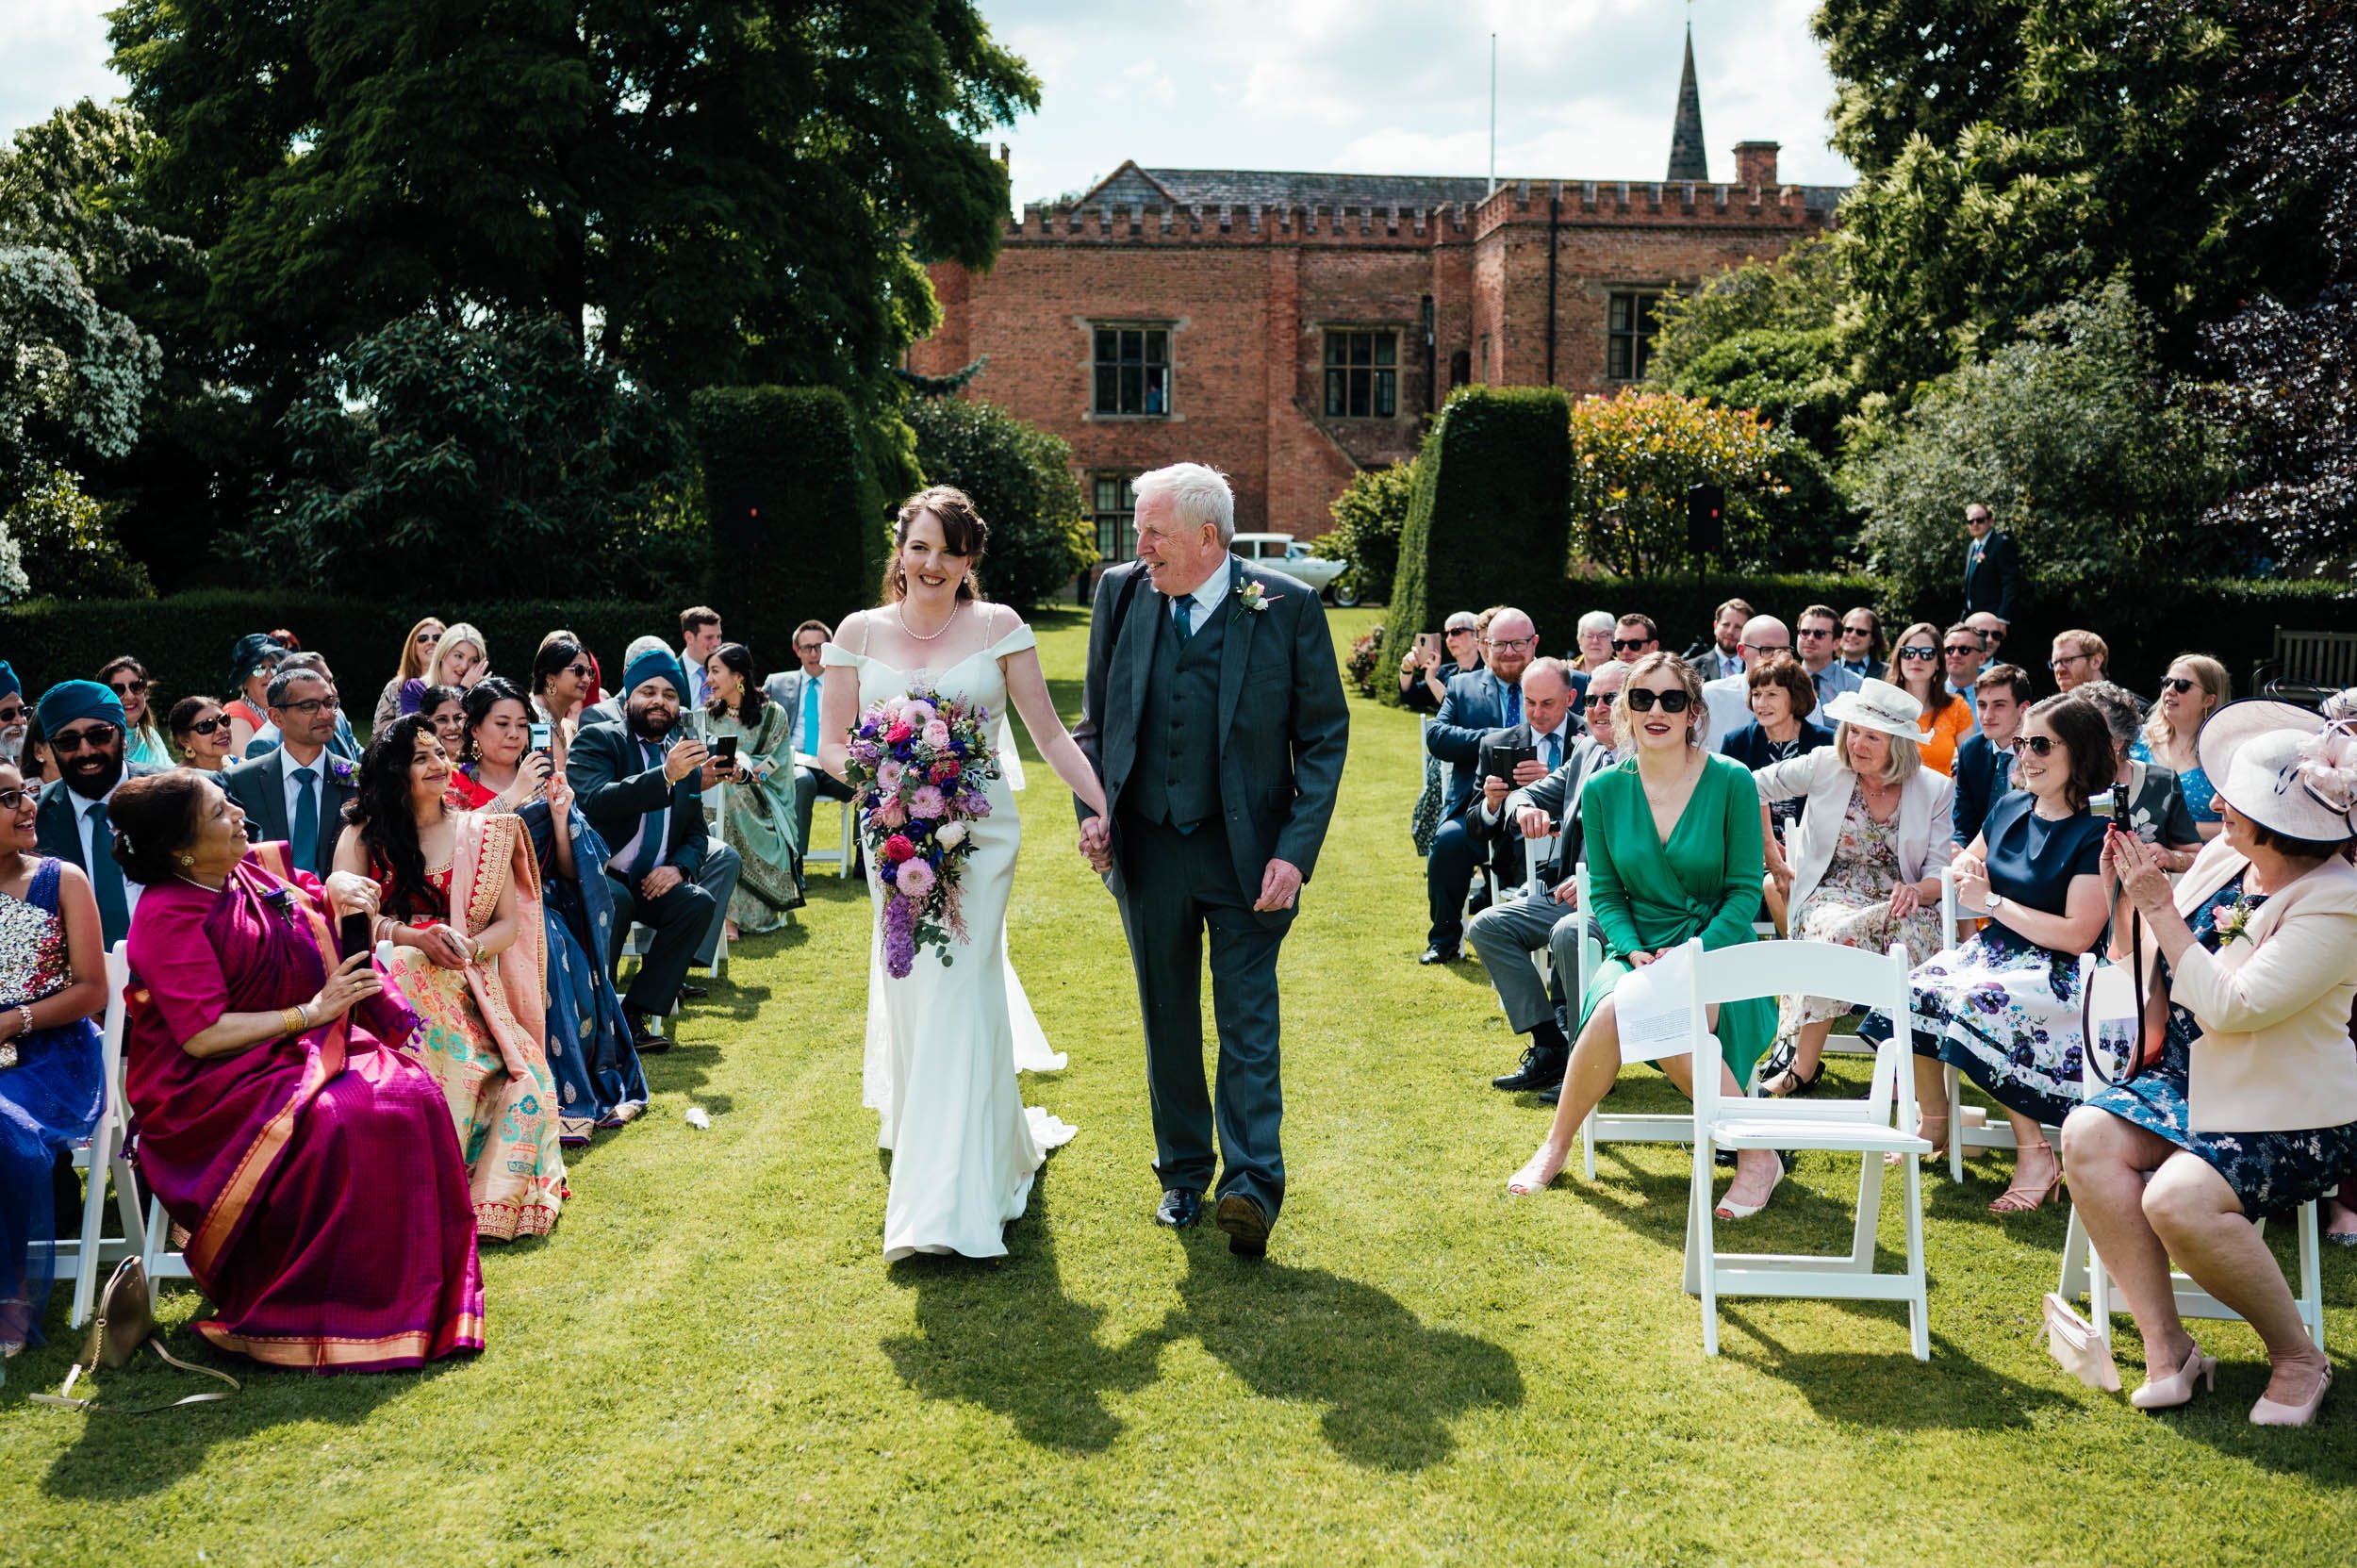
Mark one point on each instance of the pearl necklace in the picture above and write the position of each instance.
(901, 613)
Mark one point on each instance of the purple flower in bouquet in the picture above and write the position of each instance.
(899, 924)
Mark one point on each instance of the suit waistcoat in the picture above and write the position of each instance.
(1176, 777)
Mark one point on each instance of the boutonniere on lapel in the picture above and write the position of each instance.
(1254, 596)
(343, 770)
(2236, 923)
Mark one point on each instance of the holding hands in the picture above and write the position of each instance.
(1096, 845)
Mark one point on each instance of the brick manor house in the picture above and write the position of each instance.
(1292, 328)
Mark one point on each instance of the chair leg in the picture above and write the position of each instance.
(1702, 1248)
(2099, 1294)
(2311, 1277)
(101, 1155)
(1955, 1125)
(2072, 1281)
(1919, 1301)
(1588, 1145)
(1869, 1212)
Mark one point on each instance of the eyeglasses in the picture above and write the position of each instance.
(97, 737)
(206, 726)
(1453, 632)
(1764, 649)
(815, 647)
(1962, 650)
(2179, 684)
(1923, 651)
(1631, 644)
(17, 799)
(1814, 632)
(1510, 644)
(2070, 658)
(310, 704)
(1641, 699)
(2041, 746)
(129, 688)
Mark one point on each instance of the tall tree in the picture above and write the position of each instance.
(716, 190)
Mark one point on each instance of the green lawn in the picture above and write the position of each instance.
(709, 1362)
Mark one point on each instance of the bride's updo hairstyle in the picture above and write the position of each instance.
(962, 533)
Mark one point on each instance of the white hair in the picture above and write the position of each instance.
(1198, 494)
(1596, 621)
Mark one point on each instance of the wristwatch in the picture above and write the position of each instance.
(1996, 903)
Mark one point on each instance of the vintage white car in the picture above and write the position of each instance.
(1292, 557)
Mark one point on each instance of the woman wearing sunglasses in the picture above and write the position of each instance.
(1916, 668)
(200, 729)
(141, 742)
(2002, 1006)
(564, 681)
(417, 653)
(252, 663)
(1674, 852)
(2197, 686)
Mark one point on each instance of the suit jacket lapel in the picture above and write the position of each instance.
(62, 807)
(275, 797)
(1232, 652)
(1138, 632)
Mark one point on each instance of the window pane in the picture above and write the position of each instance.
(1619, 313)
(1157, 397)
(1386, 389)
(1108, 493)
(1386, 348)
(1107, 390)
(1334, 393)
(1157, 348)
(1616, 358)
(1336, 346)
(1359, 394)
(1645, 304)
(1132, 389)
(1108, 345)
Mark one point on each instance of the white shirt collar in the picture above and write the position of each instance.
(1209, 592)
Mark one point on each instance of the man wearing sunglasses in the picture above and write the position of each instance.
(1478, 702)
(1960, 659)
(15, 717)
(1992, 567)
(295, 792)
(1634, 636)
(83, 723)
(1814, 640)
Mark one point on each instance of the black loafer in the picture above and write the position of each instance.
(1439, 954)
(1179, 1208)
(643, 1038)
(1552, 1094)
(692, 993)
(1543, 1068)
(1246, 1225)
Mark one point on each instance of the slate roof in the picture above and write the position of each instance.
(1132, 185)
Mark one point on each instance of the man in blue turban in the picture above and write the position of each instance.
(15, 715)
(83, 723)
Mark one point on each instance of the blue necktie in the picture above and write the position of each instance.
(1546, 753)
(114, 904)
(651, 834)
(306, 821)
(1513, 705)
(1186, 618)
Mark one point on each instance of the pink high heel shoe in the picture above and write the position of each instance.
(2165, 1390)
(2266, 1412)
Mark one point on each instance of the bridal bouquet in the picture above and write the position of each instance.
(922, 764)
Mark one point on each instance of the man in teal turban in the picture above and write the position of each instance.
(83, 723)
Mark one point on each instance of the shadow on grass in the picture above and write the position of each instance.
(1953, 1392)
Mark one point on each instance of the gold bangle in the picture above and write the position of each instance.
(290, 1021)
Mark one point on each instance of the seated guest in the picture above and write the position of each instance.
(460, 659)
(1478, 702)
(1915, 668)
(1674, 852)
(2250, 1109)
(642, 791)
(2156, 807)
(1861, 649)
(445, 709)
(1425, 673)
(564, 683)
(142, 742)
(1511, 931)
(53, 982)
(295, 793)
(310, 1160)
(2003, 1006)
(457, 889)
(599, 1080)
(2079, 656)
(1634, 636)
(608, 710)
(1782, 699)
(16, 717)
(1984, 761)
(40, 766)
(200, 732)
(1720, 654)
(1961, 657)
(796, 692)
(1548, 727)
(251, 664)
(1813, 638)
(592, 688)
(417, 655)
(699, 637)
(1728, 699)
(2196, 688)
(1864, 860)
(1992, 630)
(758, 808)
(82, 723)
(1594, 636)
(341, 742)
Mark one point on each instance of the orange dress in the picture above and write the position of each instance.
(1942, 733)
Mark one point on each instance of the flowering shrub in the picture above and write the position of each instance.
(922, 764)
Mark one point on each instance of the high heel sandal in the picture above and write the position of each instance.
(1536, 1174)
(2165, 1390)
(1732, 1210)
(2020, 1199)
(2268, 1413)
(1799, 1085)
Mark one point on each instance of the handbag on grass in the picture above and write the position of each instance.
(123, 1323)
(2073, 1343)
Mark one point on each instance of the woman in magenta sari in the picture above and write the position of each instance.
(312, 1164)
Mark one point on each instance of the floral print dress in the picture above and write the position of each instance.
(1851, 906)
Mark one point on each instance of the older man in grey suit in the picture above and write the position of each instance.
(1510, 933)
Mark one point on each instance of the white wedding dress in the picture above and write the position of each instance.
(943, 1044)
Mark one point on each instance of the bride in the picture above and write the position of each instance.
(944, 1043)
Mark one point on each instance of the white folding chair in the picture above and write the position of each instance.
(105, 1155)
(2084, 1274)
(841, 857)
(1880, 1124)
(1995, 1131)
(1620, 1127)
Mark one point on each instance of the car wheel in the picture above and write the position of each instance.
(1345, 591)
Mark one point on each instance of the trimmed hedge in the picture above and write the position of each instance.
(185, 641)
(1492, 509)
(795, 515)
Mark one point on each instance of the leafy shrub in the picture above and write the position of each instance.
(1369, 518)
(66, 545)
(1633, 457)
(1022, 483)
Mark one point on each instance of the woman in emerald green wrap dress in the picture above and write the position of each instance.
(1674, 852)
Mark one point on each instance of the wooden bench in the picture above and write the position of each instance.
(2307, 666)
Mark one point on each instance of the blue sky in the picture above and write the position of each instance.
(1586, 87)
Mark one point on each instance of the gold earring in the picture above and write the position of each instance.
(188, 860)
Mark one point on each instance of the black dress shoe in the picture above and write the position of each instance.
(1543, 1068)
(1179, 1208)
(692, 993)
(1439, 954)
(643, 1038)
(1552, 1094)
(1245, 1224)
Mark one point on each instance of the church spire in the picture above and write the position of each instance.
(1688, 158)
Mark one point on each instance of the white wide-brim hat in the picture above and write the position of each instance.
(2283, 766)
(1879, 705)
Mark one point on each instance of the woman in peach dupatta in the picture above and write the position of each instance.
(461, 907)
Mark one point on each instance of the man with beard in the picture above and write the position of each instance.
(297, 790)
(1479, 701)
(83, 723)
(641, 785)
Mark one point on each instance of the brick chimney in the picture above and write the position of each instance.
(1756, 164)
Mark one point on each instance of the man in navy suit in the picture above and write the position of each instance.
(1478, 702)
(1984, 761)
(83, 722)
(1992, 567)
(296, 791)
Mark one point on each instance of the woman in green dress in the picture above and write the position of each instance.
(758, 819)
(1674, 852)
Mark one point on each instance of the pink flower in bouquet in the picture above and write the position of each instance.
(915, 879)
(888, 776)
(899, 848)
(919, 712)
(927, 802)
(950, 835)
(937, 735)
(899, 733)
(944, 770)
(892, 814)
